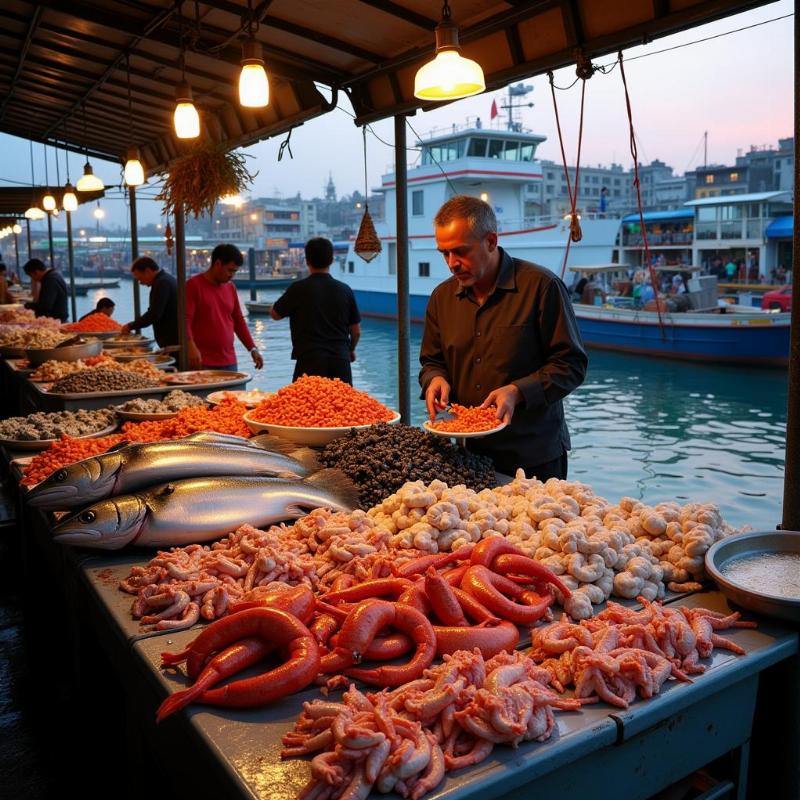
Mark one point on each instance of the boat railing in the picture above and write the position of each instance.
(508, 224)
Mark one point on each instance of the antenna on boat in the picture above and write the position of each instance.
(520, 90)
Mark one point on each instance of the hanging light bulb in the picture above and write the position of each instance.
(34, 212)
(186, 118)
(449, 76)
(49, 202)
(89, 182)
(98, 212)
(70, 199)
(134, 172)
(17, 228)
(55, 212)
(253, 81)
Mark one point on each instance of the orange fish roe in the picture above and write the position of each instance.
(468, 419)
(314, 402)
(94, 322)
(223, 418)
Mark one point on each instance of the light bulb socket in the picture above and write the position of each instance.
(447, 36)
(251, 52)
(133, 154)
(87, 169)
(183, 93)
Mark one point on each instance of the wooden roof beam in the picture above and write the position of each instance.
(401, 12)
(23, 54)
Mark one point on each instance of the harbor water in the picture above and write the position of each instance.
(652, 429)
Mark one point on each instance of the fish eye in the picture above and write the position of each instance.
(60, 476)
(87, 516)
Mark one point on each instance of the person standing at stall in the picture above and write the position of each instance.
(105, 305)
(162, 310)
(52, 296)
(501, 331)
(213, 314)
(323, 318)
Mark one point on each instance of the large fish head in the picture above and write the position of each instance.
(107, 525)
(78, 484)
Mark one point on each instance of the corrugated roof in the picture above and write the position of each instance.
(727, 199)
(57, 58)
(661, 216)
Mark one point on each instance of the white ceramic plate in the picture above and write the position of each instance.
(455, 435)
(250, 398)
(144, 416)
(204, 376)
(313, 437)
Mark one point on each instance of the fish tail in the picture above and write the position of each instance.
(179, 700)
(268, 441)
(308, 458)
(337, 484)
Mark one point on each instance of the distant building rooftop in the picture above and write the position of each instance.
(725, 199)
(662, 216)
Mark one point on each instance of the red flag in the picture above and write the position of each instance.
(493, 112)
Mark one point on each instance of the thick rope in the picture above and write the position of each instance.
(635, 154)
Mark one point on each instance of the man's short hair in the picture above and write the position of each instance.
(319, 252)
(34, 265)
(478, 214)
(105, 302)
(144, 262)
(227, 253)
(3, 266)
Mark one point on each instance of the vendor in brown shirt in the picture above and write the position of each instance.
(501, 332)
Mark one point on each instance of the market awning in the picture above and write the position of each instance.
(780, 228)
(15, 200)
(58, 58)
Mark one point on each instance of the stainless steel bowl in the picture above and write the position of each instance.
(72, 352)
(749, 544)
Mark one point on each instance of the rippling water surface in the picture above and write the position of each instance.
(649, 428)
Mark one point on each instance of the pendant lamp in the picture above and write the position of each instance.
(368, 243)
(134, 172)
(185, 118)
(88, 182)
(253, 81)
(449, 76)
(70, 199)
(49, 202)
(17, 228)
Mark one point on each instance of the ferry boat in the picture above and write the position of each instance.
(500, 166)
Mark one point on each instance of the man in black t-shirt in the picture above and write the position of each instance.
(323, 317)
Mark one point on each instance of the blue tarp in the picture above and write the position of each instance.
(780, 228)
(662, 216)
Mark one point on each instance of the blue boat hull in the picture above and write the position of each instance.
(737, 343)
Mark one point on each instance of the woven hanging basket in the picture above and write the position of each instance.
(368, 245)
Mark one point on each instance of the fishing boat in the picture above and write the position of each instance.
(265, 282)
(707, 331)
(258, 309)
(92, 285)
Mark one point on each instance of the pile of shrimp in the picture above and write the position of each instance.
(406, 739)
(622, 651)
(323, 550)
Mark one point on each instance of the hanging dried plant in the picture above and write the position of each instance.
(197, 180)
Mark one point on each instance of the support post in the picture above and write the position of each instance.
(180, 275)
(251, 266)
(50, 238)
(71, 262)
(403, 313)
(137, 301)
(28, 232)
(16, 251)
(791, 475)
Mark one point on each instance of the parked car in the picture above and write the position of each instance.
(780, 299)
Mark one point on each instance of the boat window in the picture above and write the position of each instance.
(511, 151)
(351, 266)
(496, 148)
(477, 148)
(392, 254)
(418, 203)
(526, 152)
(424, 269)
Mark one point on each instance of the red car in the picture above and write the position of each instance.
(780, 299)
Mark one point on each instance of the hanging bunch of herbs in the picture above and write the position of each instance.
(197, 180)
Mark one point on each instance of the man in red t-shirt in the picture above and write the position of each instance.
(213, 314)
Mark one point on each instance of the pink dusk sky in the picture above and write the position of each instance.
(737, 87)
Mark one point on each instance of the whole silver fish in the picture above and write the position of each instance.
(202, 509)
(128, 468)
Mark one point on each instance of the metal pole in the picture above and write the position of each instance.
(791, 475)
(50, 238)
(180, 275)
(137, 301)
(16, 251)
(251, 266)
(71, 262)
(28, 230)
(403, 314)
